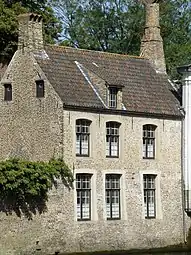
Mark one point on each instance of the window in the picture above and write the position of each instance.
(149, 195)
(112, 139)
(7, 92)
(40, 88)
(83, 189)
(112, 98)
(82, 137)
(112, 193)
(149, 141)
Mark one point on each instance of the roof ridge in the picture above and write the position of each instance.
(102, 52)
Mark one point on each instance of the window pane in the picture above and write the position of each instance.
(149, 141)
(84, 145)
(112, 185)
(40, 88)
(77, 144)
(112, 139)
(83, 185)
(82, 137)
(149, 195)
(112, 97)
(114, 146)
(78, 204)
(144, 149)
(115, 183)
(8, 92)
(107, 147)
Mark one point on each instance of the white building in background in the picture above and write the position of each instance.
(186, 134)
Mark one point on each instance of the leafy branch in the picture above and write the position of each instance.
(24, 185)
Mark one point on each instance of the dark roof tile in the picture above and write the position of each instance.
(144, 90)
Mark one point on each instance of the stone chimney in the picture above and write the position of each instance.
(152, 43)
(30, 32)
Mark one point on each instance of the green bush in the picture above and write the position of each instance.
(24, 185)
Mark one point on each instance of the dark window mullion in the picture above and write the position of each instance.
(80, 143)
(147, 203)
(88, 136)
(109, 141)
(89, 195)
(146, 154)
(154, 203)
(81, 214)
(117, 139)
(110, 198)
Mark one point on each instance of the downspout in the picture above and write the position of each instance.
(182, 177)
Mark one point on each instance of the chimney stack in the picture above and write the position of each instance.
(152, 43)
(30, 32)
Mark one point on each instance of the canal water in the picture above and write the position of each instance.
(166, 253)
(141, 253)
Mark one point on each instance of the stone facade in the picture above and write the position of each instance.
(40, 128)
(152, 43)
(58, 228)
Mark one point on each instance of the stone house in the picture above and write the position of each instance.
(115, 120)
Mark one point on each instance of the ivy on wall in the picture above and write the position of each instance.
(24, 185)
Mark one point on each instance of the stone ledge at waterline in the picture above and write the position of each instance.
(180, 249)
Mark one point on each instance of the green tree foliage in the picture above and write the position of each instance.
(176, 33)
(24, 185)
(118, 25)
(9, 11)
(113, 26)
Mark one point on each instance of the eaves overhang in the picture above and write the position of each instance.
(184, 69)
(124, 112)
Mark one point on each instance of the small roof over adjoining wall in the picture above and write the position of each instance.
(184, 69)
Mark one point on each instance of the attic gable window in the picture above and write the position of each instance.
(40, 88)
(112, 97)
(7, 92)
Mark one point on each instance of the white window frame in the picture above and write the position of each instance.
(112, 97)
(93, 198)
(112, 148)
(123, 212)
(149, 141)
(158, 206)
(84, 132)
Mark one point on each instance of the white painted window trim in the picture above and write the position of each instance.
(94, 215)
(159, 214)
(122, 194)
(91, 132)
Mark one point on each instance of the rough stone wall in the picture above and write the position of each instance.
(57, 229)
(152, 43)
(30, 32)
(31, 127)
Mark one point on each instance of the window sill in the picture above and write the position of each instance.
(81, 155)
(83, 220)
(8, 101)
(149, 158)
(113, 219)
(112, 156)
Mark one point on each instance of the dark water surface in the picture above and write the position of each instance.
(139, 253)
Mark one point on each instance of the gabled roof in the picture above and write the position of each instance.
(144, 90)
